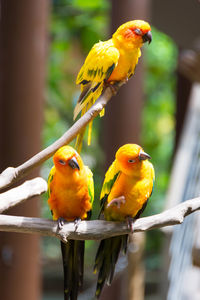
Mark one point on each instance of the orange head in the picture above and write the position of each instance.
(67, 161)
(133, 34)
(130, 158)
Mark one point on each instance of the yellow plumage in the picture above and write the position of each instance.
(133, 180)
(109, 62)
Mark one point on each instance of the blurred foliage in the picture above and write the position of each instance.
(75, 25)
(158, 127)
(158, 114)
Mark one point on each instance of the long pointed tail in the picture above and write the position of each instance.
(73, 267)
(106, 258)
(83, 106)
(79, 139)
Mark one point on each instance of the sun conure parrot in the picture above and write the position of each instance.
(107, 63)
(71, 193)
(126, 189)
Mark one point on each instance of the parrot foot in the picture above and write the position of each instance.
(77, 221)
(117, 201)
(130, 221)
(61, 221)
(124, 81)
(114, 88)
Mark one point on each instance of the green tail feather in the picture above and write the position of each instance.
(106, 259)
(73, 267)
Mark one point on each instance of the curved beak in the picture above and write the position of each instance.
(143, 156)
(73, 163)
(147, 37)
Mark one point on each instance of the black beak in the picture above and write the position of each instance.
(144, 156)
(73, 163)
(147, 37)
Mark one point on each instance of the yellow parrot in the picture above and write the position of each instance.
(71, 194)
(126, 189)
(107, 63)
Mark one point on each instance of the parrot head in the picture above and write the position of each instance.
(130, 158)
(67, 160)
(133, 34)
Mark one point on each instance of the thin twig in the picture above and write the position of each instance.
(97, 230)
(27, 190)
(11, 175)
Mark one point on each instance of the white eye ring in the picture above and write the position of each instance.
(138, 31)
(131, 161)
(62, 162)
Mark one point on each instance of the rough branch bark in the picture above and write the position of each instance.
(11, 175)
(28, 189)
(97, 230)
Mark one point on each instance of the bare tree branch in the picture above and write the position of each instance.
(11, 175)
(28, 189)
(97, 230)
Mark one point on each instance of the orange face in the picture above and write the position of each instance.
(130, 157)
(67, 160)
(134, 32)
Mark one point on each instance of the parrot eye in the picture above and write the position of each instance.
(131, 161)
(138, 31)
(62, 162)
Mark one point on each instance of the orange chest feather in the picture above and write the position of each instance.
(70, 198)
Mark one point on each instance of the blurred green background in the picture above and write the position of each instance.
(75, 26)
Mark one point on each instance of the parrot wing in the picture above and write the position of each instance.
(90, 182)
(110, 178)
(98, 66)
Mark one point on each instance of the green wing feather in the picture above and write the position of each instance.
(90, 189)
(50, 178)
(110, 178)
(90, 183)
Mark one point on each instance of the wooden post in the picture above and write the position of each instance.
(135, 270)
(23, 50)
(182, 100)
